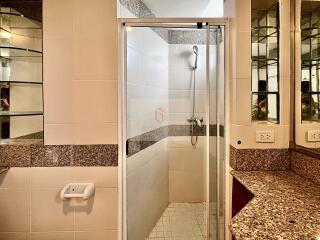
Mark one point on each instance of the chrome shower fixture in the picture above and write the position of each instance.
(195, 51)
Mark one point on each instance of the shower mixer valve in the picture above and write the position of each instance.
(196, 120)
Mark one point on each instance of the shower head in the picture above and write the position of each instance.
(195, 50)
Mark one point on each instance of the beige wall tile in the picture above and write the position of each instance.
(88, 18)
(51, 177)
(95, 61)
(96, 235)
(96, 133)
(49, 212)
(95, 101)
(247, 136)
(57, 75)
(57, 17)
(243, 15)
(57, 134)
(243, 103)
(15, 178)
(102, 177)
(15, 236)
(244, 55)
(42, 177)
(98, 213)
(52, 236)
(14, 210)
(78, 39)
(58, 108)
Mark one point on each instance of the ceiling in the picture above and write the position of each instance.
(180, 8)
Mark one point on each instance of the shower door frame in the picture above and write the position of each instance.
(123, 23)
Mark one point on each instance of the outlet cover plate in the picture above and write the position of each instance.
(313, 136)
(265, 136)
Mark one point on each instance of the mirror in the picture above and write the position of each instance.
(307, 76)
(21, 91)
(265, 60)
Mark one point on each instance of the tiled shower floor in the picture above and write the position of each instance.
(181, 221)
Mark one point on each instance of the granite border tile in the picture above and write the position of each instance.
(141, 142)
(312, 152)
(259, 159)
(15, 155)
(233, 157)
(51, 156)
(95, 155)
(185, 130)
(197, 37)
(38, 155)
(305, 166)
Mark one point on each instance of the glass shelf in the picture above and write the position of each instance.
(21, 82)
(11, 51)
(21, 76)
(271, 27)
(25, 32)
(20, 54)
(17, 20)
(20, 114)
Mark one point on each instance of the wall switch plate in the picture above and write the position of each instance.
(265, 136)
(313, 136)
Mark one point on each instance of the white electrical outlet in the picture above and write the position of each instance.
(313, 136)
(265, 136)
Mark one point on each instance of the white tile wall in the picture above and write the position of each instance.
(147, 76)
(181, 60)
(147, 189)
(186, 170)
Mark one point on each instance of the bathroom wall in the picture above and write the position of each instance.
(31, 208)
(80, 105)
(242, 128)
(186, 170)
(80, 63)
(186, 164)
(147, 189)
(181, 61)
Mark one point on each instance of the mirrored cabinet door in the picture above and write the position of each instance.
(21, 103)
(307, 75)
(265, 28)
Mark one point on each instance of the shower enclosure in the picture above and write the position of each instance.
(173, 118)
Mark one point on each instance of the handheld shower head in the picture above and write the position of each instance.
(195, 50)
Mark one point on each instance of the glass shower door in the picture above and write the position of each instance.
(174, 117)
(216, 158)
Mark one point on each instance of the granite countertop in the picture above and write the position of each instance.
(285, 206)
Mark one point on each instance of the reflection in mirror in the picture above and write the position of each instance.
(307, 132)
(310, 30)
(265, 60)
(21, 105)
